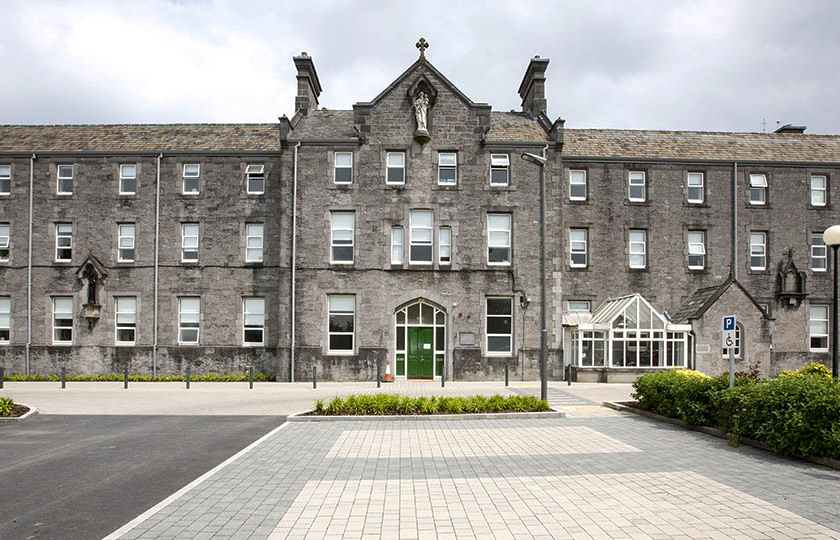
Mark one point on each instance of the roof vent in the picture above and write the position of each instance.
(790, 128)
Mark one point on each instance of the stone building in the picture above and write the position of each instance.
(404, 235)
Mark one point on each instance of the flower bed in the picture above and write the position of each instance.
(10, 409)
(395, 404)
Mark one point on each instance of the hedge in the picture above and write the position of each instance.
(118, 377)
(392, 404)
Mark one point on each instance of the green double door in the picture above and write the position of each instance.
(421, 352)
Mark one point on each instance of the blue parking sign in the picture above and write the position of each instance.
(728, 323)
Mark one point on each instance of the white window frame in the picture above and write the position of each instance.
(5, 242)
(637, 248)
(636, 179)
(189, 324)
(445, 165)
(488, 335)
(126, 241)
(254, 172)
(577, 177)
(578, 246)
(758, 249)
(501, 245)
(578, 306)
(819, 252)
(417, 234)
(254, 238)
(66, 234)
(343, 166)
(63, 315)
(818, 314)
(397, 244)
(196, 175)
(500, 163)
(5, 320)
(188, 245)
(125, 318)
(389, 167)
(696, 248)
(330, 312)
(695, 181)
(821, 193)
(59, 178)
(342, 243)
(5, 177)
(125, 176)
(758, 185)
(445, 246)
(255, 323)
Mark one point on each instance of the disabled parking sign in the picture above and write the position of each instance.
(728, 334)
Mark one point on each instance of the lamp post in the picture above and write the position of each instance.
(541, 161)
(831, 237)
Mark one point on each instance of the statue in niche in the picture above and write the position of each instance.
(92, 279)
(421, 108)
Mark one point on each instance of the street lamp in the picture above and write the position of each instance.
(831, 237)
(541, 161)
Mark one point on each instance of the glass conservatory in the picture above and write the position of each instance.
(625, 332)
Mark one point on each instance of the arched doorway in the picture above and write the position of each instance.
(420, 330)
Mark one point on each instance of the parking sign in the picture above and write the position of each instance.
(728, 334)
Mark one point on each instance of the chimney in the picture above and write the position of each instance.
(309, 87)
(532, 89)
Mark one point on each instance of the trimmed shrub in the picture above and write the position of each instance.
(814, 368)
(682, 394)
(391, 404)
(7, 405)
(118, 377)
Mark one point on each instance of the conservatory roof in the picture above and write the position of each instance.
(612, 309)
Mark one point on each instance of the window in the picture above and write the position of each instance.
(696, 250)
(125, 242)
(343, 226)
(498, 238)
(818, 328)
(758, 189)
(64, 180)
(499, 326)
(5, 319)
(447, 168)
(62, 319)
(63, 242)
(638, 248)
(255, 176)
(191, 179)
(126, 324)
(499, 169)
(819, 186)
(342, 323)
(636, 187)
(253, 321)
(578, 306)
(695, 188)
(5, 179)
(189, 242)
(420, 248)
(395, 173)
(189, 319)
(5, 242)
(725, 351)
(444, 246)
(397, 243)
(819, 254)
(254, 242)
(577, 248)
(343, 167)
(577, 185)
(128, 179)
(758, 251)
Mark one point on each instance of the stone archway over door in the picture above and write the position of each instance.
(420, 330)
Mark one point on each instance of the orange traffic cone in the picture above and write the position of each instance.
(387, 370)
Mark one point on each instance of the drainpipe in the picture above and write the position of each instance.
(157, 254)
(734, 256)
(294, 266)
(27, 359)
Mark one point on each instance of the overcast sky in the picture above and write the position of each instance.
(705, 65)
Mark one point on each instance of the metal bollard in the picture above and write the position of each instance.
(251, 377)
(443, 377)
(314, 377)
(2, 374)
(125, 379)
(507, 375)
(378, 375)
(569, 375)
(188, 377)
(63, 377)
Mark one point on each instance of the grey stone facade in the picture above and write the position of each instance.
(301, 195)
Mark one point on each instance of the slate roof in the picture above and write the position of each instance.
(323, 124)
(700, 300)
(635, 144)
(506, 126)
(141, 138)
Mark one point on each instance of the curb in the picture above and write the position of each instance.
(26, 416)
(422, 417)
(824, 461)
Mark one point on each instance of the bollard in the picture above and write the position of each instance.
(507, 375)
(188, 377)
(314, 377)
(378, 375)
(251, 377)
(2, 374)
(125, 379)
(569, 375)
(63, 377)
(443, 377)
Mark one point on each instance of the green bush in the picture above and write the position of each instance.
(814, 368)
(682, 394)
(6, 406)
(390, 404)
(119, 377)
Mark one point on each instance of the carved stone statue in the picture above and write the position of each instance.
(421, 108)
(92, 278)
